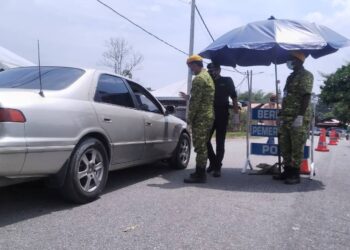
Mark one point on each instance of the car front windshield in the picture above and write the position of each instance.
(52, 78)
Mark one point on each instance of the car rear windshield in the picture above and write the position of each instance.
(52, 78)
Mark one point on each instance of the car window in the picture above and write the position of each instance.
(52, 78)
(146, 103)
(144, 99)
(112, 90)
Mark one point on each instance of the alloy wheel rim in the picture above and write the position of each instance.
(90, 170)
(184, 151)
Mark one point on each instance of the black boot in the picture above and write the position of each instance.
(210, 168)
(197, 172)
(284, 175)
(197, 177)
(294, 177)
(217, 171)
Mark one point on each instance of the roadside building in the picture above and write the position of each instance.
(9, 59)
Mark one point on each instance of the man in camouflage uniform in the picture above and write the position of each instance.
(200, 116)
(295, 118)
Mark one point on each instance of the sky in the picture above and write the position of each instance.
(74, 32)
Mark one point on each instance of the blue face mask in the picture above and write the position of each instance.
(290, 65)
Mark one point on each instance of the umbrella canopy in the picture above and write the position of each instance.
(270, 41)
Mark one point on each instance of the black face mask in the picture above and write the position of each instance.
(213, 74)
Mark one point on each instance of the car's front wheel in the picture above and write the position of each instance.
(87, 172)
(182, 153)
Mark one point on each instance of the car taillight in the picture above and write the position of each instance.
(11, 115)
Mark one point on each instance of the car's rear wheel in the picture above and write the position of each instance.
(87, 172)
(182, 152)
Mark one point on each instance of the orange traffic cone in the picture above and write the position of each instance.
(322, 144)
(332, 138)
(304, 167)
(337, 136)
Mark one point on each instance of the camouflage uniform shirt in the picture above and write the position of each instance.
(202, 98)
(299, 84)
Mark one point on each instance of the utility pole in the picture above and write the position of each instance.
(190, 52)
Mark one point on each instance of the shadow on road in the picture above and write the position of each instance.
(233, 180)
(29, 200)
(33, 199)
(126, 177)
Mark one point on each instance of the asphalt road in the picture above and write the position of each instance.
(150, 207)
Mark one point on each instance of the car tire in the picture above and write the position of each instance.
(87, 172)
(182, 153)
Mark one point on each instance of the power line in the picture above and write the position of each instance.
(240, 72)
(143, 29)
(205, 25)
(237, 87)
(236, 71)
(160, 39)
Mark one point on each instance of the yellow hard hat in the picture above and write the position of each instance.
(194, 58)
(298, 54)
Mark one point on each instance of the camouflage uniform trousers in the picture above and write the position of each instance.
(292, 142)
(200, 136)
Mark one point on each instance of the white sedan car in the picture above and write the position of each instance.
(85, 123)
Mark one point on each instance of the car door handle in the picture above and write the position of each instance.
(106, 119)
(148, 124)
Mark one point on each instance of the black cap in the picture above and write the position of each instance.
(213, 66)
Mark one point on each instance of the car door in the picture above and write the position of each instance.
(118, 116)
(158, 129)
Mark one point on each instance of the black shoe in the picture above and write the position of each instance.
(294, 177)
(197, 177)
(292, 180)
(210, 169)
(193, 175)
(282, 176)
(217, 173)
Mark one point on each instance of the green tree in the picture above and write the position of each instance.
(257, 96)
(335, 92)
(323, 110)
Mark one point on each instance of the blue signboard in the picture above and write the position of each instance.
(264, 114)
(265, 131)
(272, 149)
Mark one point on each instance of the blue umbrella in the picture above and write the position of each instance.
(270, 41)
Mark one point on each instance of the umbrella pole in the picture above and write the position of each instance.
(248, 163)
(313, 170)
(277, 99)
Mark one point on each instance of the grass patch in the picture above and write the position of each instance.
(239, 134)
(235, 134)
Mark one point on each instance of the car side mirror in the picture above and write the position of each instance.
(144, 107)
(170, 110)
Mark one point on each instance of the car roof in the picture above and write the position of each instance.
(109, 72)
(91, 70)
